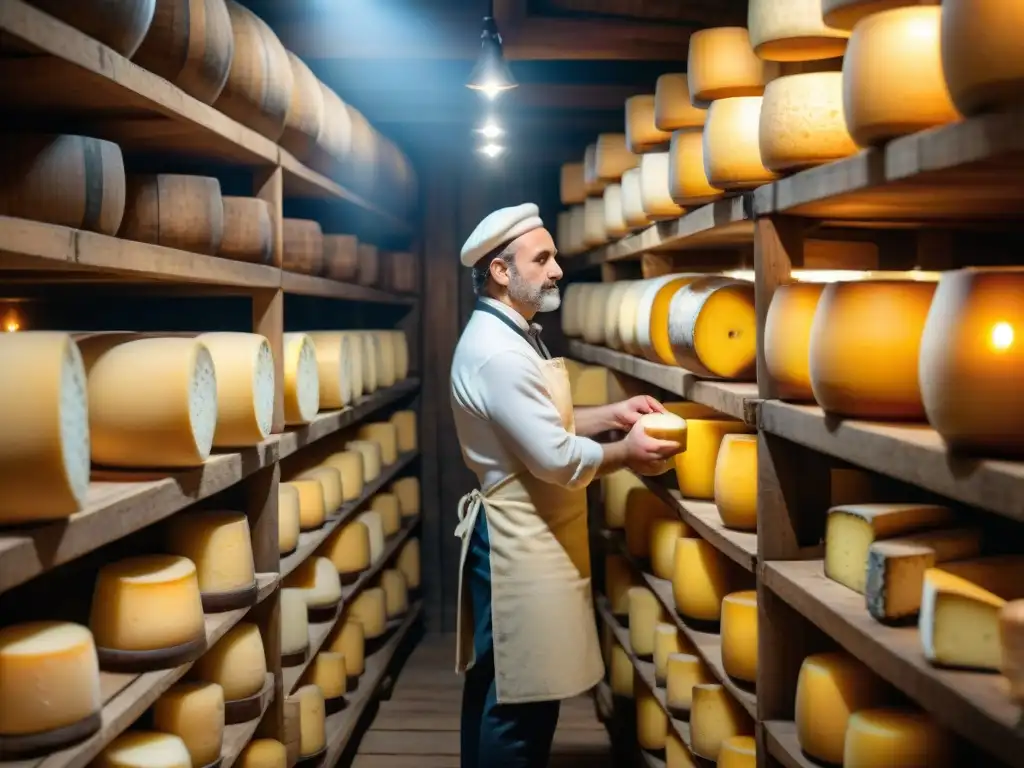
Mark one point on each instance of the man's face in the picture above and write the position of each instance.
(534, 276)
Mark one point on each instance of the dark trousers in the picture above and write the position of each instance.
(497, 735)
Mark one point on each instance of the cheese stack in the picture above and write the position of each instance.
(651, 720)
(712, 328)
(787, 339)
(195, 713)
(237, 663)
(684, 671)
(645, 613)
(714, 717)
(632, 200)
(386, 505)
(318, 580)
(348, 641)
(408, 562)
(350, 465)
(385, 434)
(371, 454)
(348, 548)
(375, 527)
(263, 753)
(674, 111)
(703, 577)
(218, 543)
(330, 482)
(244, 368)
(736, 482)
(407, 490)
(145, 749)
(294, 627)
(370, 609)
(312, 723)
(696, 467)
(312, 503)
(288, 518)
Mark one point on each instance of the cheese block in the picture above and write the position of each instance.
(696, 467)
(844, 14)
(350, 465)
(218, 543)
(736, 482)
(721, 64)
(673, 109)
(666, 642)
(236, 662)
(385, 434)
(880, 107)
(349, 642)
(702, 577)
(571, 191)
(712, 327)
(980, 59)
(330, 482)
(175, 211)
(371, 453)
(618, 580)
(312, 723)
(643, 507)
(632, 200)
(628, 310)
(288, 518)
(147, 603)
(144, 749)
(244, 368)
(652, 338)
(732, 144)
(802, 123)
(328, 673)
(651, 720)
(318, 580)
(714, 717)
(248, 234)
(301, 379)
(612, 156)
(44, 446)
(396, 596)
(294, 622)
(194, 712)
(683, 672)
(739, 635)
(970, 358)
(348, 548)
(737, 752)
(405, 430)
(655, 195)
(787, 339)
(616, 488)
(857, 324)
(830, 688)
(645, 613)
(375, 528)
(886, 736)
(851, 529)
(312, 503)
(152, 401)
(688, 182)
(960, 607)
(622, 672)
(386, 505)
(370, 609)
(664, 532)
(677, 754)
(642, 135)
(49, 677)
(407, 490)
(263, 753)
(611, 316)
(408, 563)
(334, 352)
(615, 225)
(592, 183)
(792, 30)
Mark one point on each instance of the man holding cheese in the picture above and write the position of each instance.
(526, 632)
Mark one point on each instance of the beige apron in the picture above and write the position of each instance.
(542, 612)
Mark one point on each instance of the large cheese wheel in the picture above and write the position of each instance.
(593, 319)
(712, 327)
(889, 736)
(652, 314)
(183, 212)
(879, 106)
(714, 717)
(722, 64)
(336, 136)
(628, 312)
(194, 712)
(146, 603)
(335, 351)
(348, 548)
(612, 309)
(651, 720)
(375, 529)
(673, 109)
(152, 401)
(688, 183)
(44, 446)
(405, 430)
(408, 563)
(368, 272)
(258, 90)
(303, 246)
(695, 467)
(361, 163)
(732, 149)
(218, 542)
(792, 30)
(612, 156)
(248, 234)
(632, 200)
(642, 135)
(971, 357)
(350, 465)
(318, 580)
(312, 722)
(802, 122)
(614, 219)
(703, 577)
(739, 635)
(74, 181)
(288, 518)
(370, 609)
(787, 338)
(844, 14)
(329, 479)
(245, 386)
(305, 117)
(301, 379)
(684, 671)
(593, 222)
(120, 25)
(294, 626)
(145, 749)
(341, 257)
(263, 753)
(49, 677)
(736, 482)
(189, 44)
(312, 503)
(571, 188)
(856, 325)
(349, 642)
(368, 343)
(655, 195)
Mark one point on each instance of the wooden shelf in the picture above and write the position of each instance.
(913, 453)
(783, 745)
(120, 503)
(976, 705)
(310, 285)
(238, 736)
(736, 399)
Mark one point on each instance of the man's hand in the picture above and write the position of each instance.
(626, 413)
(645, 454)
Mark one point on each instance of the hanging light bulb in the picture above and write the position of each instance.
(490, 129)
(491, 75)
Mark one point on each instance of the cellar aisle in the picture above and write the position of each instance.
(419, 725)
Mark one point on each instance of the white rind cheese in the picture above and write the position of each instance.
(334, 354)
(245, 387)
(792, 30)
(301, 379)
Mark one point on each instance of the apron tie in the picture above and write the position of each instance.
(469, 506)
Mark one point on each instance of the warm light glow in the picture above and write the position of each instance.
(842, 275)
(490, 130)
(1002, 336)
(492, 150)
(11, 321)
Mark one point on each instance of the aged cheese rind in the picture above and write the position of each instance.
(732, 144)
(236, 662)
(792, 30)
(245, 387)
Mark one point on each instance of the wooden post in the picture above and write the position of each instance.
(268, 306)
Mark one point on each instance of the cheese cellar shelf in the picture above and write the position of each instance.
(238, 735)
(784, 745)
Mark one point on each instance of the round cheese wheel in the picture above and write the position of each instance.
(611, 317)
(384, 351)
(787, 338)
(312, 722)
(375, 527)
(622, 673)
(844, 14)
(739, 635)
(407, 491)
(304, 120)
(318, 580)
(288, 518)
(645, 613)
(175, 211)
(328, 673)
(361, 165)
(294, 622)
(695, 467)
(219, 544)
(386, 505)
(194, 712)
(237, 662)
(666, 642)
(651, 720)
(663, 534)
(384, 434)
(655, 195)
(628, 310)
(732, 149)
(687, 180)
(370, 609)
(703, 576)
(737, 752)
(856, 325)
(665, 426)
(396, 598)
(593, 320)
(889, 736)
(247, 232)
(121, 24)
(712, 327)
(880, 107)
(405, 426)
(673, 109)
(348, 548)
(370, 452)
(263, 753)
(714, 717)
(335, 142)
(593, 222)
(145, 749)
(329, 479)
(614, 220)
(334, 354)
(341, 257)
(615, 490)
(642, 135)
(408, 563)
(369, 347)
(684, 672)
(643, 507)
(722, 64)
(792, 30)
(349, 642)
(312, 503)
(592, 184)
(612, 156)
(301, 379)
(350, 465)
(632, 201)
(736, 482)
(572, 297)
(303, 246)
(245, 387)
(571, 189)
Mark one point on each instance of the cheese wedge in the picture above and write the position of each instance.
(877, 738)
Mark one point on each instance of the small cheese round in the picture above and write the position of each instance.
(329, 674)
(722, 64)
(219, 544)
(732, 148)
(236, 662)
(407, 490)
(739, 635)
(792, 30)
(876, 738)
(318, 580)
(386, 505)
(301, 379)
(703, 576)
(695, 467)
(384, 434)
(645, 613)
(370, 609)
(312, 720)
(673, 109)
(787, 338)
(683, 672)
(331, 484)
(349, 642)
(642, 135)
(312, 504)
(622, 672)
(408, 563)
(195, 713)
(651, 720)
(632, 200)
(375, 528)
(687, 181)
(666, 642)
(714, 717)
(288, 518)
(294, 621)
(612, 157)
(348, 548)
(844, 14)
(263, 753)
(350, 465)
(145, 749)
(334, 353)
(665, 426)
(739, 752)
(655, 196)
(147, 603)
(396, 596)
(736, 482)
(371, 453)
(245, 387)
(663, 535)
(712, 328)
(405, 428)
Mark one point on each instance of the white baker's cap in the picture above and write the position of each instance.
(502, 226)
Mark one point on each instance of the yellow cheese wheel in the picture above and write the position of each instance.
(294, 624)
(370, 609)
(385, 434)
(572, 297)
(687, 180)
(615, 225)
(972, 354)
(595, 313)
(245, 387)
(328, 673)
(385, 357)
(236, 662)
(312, 720)
(879, 106)
(318, 580)
(348, 548)
(673, 109)
(844, 14)
(301, 379)
(632, 201)
(703, 576)
(401, 349)
(44, 446)
(386, 505)
(312, 503)
(858, 324)
(663, 534)
(683, 672)
(349, 642)
(622, 672)
(739, 635)
(652, 313)
(396, 596)
(618, 579)
(736, 482)
(664, 426)
(263, 753)
(49, 677)
(695, 468)
(792, 30)
(407, 491)
(737, 752)
(802, 122)
(408, 563)
(677, 754)
(350, 465)
(645, 613)
(666, 642)
(881, 737)
(643, 507)
(330, 481)
(732, 144)
(334, 353)
(375, 527)
(651, 720)
(571, 184)
(722, 65)
(714, 717)
(219, 544)
(368, 344)
(612, 156)
(195, 713)
(288, 516)
(787, 338)
(145, 749)
(146, 603)
(405, 428)
(372, 460)
(642, 135)
(615, 490)
(712, 327)
(655, 196)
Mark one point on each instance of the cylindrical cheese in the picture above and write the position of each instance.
(288, 518)
(695, 467)
(615, 489)
(792, 30)
(145, 749)
(236, 662)
(663, 534)
(294, 623)
(312, 723)
(645, 613)
(732, 148)
(396, 596)
(714, 717)
(304, 119)
(329, 674)
(195, 713)
(334, 354)
(341, 257)
(348, 548)
(371, 453)
(263, 753)
(407, 491)
(666, 642)
(408, 562)
(888, 736)
(739, 635)
(571, 184)
(175, 211)
(318, 580)
(712, 327)
(612, 156)
(615, 225)
(737, 752)
(643, 507)
(703, 576)
(405, 428)
(655, 196)
(386, 505)
(622, 672)
(385, 434)
(375, 527)
(787, 338)
(844, 14)
(302, 246)
(349, 642)
(350, 465)
(312, 504)
(632, 201)
(673, 109)
(592, 183)
(330, 481)
(642, 135)
(722, 64)
(651, 720)
(219, 544)
(594, 313)
(683, 672)
(879, 106)
(301, 379)
(245, 387)
(652, 313)
(628, 311)
(119, 25)
(618, 579)
(687, 181)
(677, 754)
(248, 235)
(370, 609)
(611, 316)
(736, 482)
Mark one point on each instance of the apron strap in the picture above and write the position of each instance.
(533, 341)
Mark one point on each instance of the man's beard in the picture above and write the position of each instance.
(539, 298)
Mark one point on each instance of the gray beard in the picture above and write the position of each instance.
(539, 299)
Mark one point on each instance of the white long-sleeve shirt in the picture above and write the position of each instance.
(504, 416)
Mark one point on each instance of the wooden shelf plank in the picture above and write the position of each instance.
(310, 285)
(736, 399)
(976, 705)
(238, 736)
(913, 453)
(783, 745)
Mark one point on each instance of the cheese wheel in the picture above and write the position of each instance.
(802, 122)
(335, 141)
(596, 312)
(714, 717)
(611, 318)
(645, 613)
(341, 257)
(787, 338)
(736, 482)
(405, 429)
(712, 327)
(303, 246)
(614, 219)
(688, 182)
(396, 597)
(980, 59)
(350, 465)
(665, 426)
(652, 316)
(721, 64)
(44, 446)
(348, 548)
(684, 671)
(615, 490)
(677, 754)
(385, 435)
(570, 319)
(563, 235)
(328, 673)
(334, 354)
(857, 324)
(844, 14)
(375, 528)
(247, 231)
(371, 454)
(577, 221)
(219, 544)
(593, 222)
(301, 379)
(612, 156)
(970, 345)
(119, 25)
(401, 348)
(595, 385)
(194, 712)
(737, 752)
(236, 662)
(655, 196)
(145, 749)
(386, 505)
(830, 688)
(318, 580)
(703, 576)
(370, 609)
(349, 643)
(618, 579)
(386, 357)
(244, 366)
(263, 753)
(571, 190)
(403, 271)
(407, 490)
(592, 183)
(147, 603)
(369, 352)
(880, 107)
(304, 119)
(642, 135)
(175, 211)
(663, 534)
(651, 720)
(695, 467)
(632, 200)
(49, 677)
(889, 736)
(312, 503)
(408, 563)
(312, 723)
(622, 672)
(152, 401)
(294, 623)
(643, 507)
(792, 30)
(732, 149)
(288, 517)
(673, 109)
(330, 482)
(666, 642)
(739, 635)
(628, 313)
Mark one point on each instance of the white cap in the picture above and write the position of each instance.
(502, 226)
